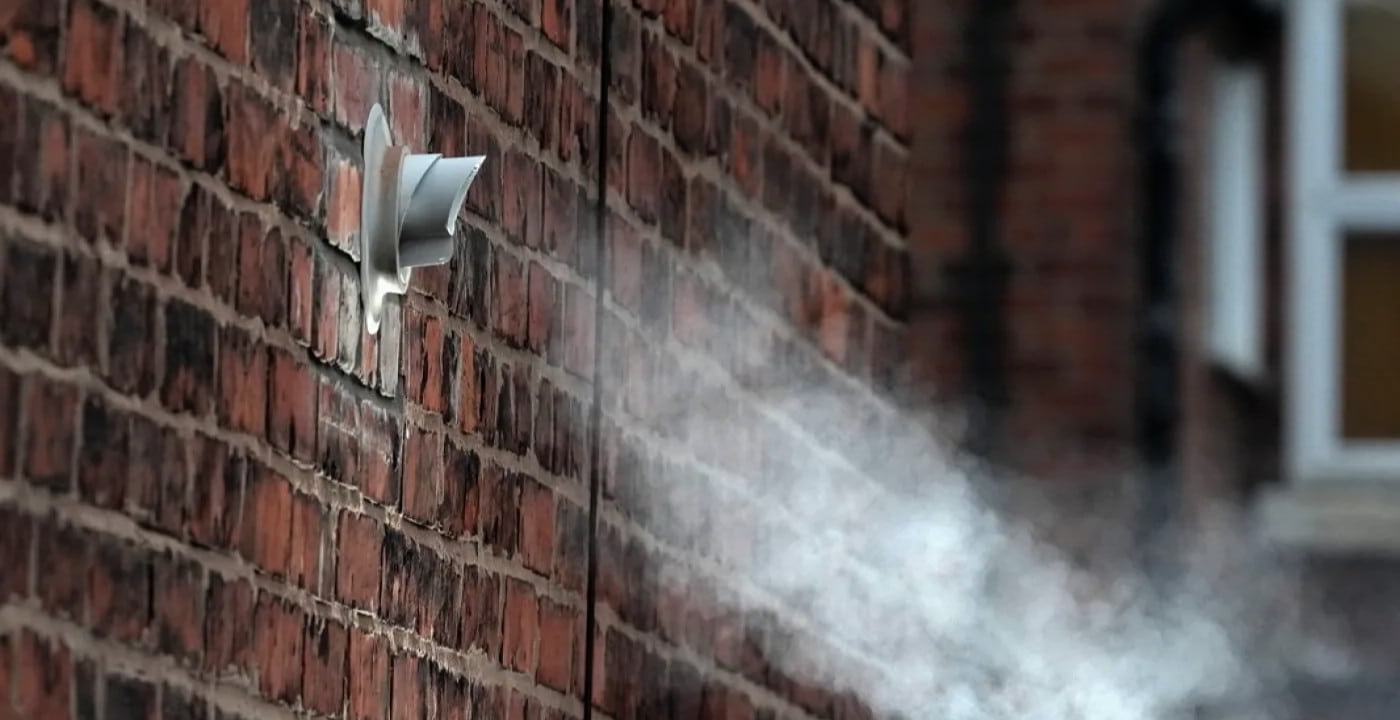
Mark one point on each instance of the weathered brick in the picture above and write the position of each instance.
(422, 475)
(643, 175)
(43, 677)
(253, 134)
(49, 434)
(114, 612)
(225, 24)
(278, 648)
(26, 301)
(482, 625)
(177, 623)
(197, 132)
(338, 432)
(313, 36)
(189, 358)
(242, 391)
(510, 309)
(324, 671)
(40, 159)
(266, 535)
(92, 67)
(145, 94)
(537, 520)
(358, 556)
(103, 458)
(368, 677)
(216, 499)
(380, 438)
(16, 550)
(153, 211)
(262, 274)
(291, 422)
(131, 339)
(521, 627)
(557, 21)
(274, 55)
(29, 34)
(228, 613)
(158, 476)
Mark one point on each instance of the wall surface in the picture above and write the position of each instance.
(220, 498)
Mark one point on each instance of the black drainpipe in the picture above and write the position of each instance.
(1158, 353)
(981, 276)
(1242, 28)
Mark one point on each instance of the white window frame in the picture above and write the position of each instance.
(1234, 218)
(1323, 203)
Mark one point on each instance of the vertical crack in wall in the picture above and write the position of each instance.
(595, 412)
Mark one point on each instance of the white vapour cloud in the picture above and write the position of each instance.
(932, 588)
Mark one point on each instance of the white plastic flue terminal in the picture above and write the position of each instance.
(408, 212)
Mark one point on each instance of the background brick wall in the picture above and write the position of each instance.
(221, 499)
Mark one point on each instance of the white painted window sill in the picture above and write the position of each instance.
(1333, 517)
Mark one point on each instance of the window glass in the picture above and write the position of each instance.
(1372, 82)
(1371, 337)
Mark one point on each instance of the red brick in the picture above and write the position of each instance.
(469, 387)
(427, 359)
(197, 123)
(43, 678)
(262, 274)
(358, 551)
(253, 132)
(42, 168)
(217, 498)
(292, 424)
(560, 229)
(131, 338)
(543, 99)
(62, 593)
(312, 58)
(691, 108)
(369, 676)
(277, 648)
(326, 331)
(412, 677)
(101, 168)
(324, 673)
(358, 84)
(379, 459)
(158, 476)
(153, 208)
(225, 24)
(243, 382)
(889, 179)
(92, 67)
(482, 623)
(343, 208)
(679, 19)
(274, 54)
(386, 14)
(894, 91)
(408, 104)
(304, 566)
(26, 300)
(114, 612)
(29, 34)
(514, 54)
(537, 527)
(510, 309)
(521, 627)
(204, 216)
(557, 21)
(338, 432)
(301, 299)
(422, 475)
(558, 629)
(178, 627)
(542, 303)
(189, 358)
(49, 433)
(145, 96)
(643, 175)
(228, 615)
(16, 548)
(658, 80)
(103, 458)
(266, 537)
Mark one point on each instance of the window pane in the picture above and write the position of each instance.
(1372, 95)
(1371, 337)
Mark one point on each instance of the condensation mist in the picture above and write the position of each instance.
(890, 565)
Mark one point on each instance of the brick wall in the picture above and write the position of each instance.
(220, 498)
(1025, 172)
